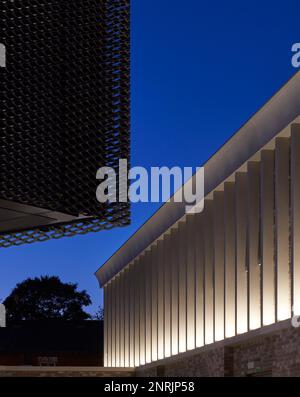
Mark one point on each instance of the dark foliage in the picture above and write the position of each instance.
(46, 298)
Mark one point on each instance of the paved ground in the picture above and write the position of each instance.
(24, 371)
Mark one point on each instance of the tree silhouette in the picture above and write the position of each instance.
(99, 315)
(46, 298)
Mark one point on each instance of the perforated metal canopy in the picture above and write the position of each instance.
(64, 114)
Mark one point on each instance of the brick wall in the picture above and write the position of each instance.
(273, 355)
(208, 364)
(63, 359)
(270, 351)
(11, 358)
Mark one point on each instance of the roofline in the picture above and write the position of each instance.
(282, 109)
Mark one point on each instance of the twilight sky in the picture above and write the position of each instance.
(200, 69)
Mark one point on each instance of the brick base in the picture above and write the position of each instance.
(269, 351)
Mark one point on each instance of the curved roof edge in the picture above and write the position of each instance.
(282, 109)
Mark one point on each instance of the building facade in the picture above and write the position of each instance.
(186, 282)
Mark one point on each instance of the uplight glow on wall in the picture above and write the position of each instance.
(187, 280)
(171, 299)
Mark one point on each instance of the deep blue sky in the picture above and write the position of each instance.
(200, 69)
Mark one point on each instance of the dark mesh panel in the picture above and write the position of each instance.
(64, 108)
